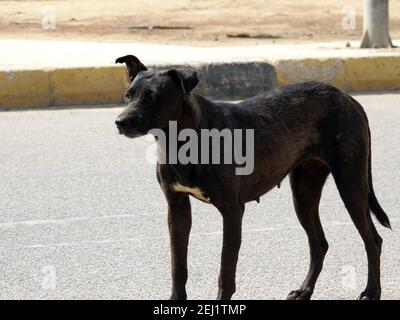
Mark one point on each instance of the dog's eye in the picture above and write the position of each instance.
(127, 97)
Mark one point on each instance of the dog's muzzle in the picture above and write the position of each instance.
(129, 126)
(121, 124)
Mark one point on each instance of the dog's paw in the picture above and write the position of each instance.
(177, 296)
(301, 294)
(368, 296)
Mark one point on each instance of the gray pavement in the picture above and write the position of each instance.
(82, 216)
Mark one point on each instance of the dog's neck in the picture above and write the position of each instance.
(191, 114)
(190, 117)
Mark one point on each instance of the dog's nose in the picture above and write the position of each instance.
(121, 123)
(129, 122)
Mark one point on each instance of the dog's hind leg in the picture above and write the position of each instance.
(307, 181)
(352, 181)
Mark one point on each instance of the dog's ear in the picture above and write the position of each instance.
(133, 65)
(185, 79)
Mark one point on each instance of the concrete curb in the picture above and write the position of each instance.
(59, 87)
(349, 74)
(105, 85)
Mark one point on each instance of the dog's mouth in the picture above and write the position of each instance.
(130, 133)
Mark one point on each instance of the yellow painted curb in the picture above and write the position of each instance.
(375, 73)
(348, 74)
(324, 70)
(105, 85)
(88, 85)
(59, 87)
(24, 88)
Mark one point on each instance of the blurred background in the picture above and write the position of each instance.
(194, 22)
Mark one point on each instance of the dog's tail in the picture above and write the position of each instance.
(372, 201)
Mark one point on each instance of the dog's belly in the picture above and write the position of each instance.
(254, 191)
(261, 181)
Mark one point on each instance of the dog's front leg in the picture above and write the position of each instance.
(232, 235)
(179, 224)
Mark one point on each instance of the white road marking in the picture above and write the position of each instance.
(13, 224)
(204, 234)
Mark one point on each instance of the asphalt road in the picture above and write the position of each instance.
(82, 216)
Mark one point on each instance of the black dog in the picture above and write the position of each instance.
(307, 130)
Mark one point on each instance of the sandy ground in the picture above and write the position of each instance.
(194, 22)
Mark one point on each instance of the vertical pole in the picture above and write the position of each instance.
(376, 24)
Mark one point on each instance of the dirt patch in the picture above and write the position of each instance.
(191, 22)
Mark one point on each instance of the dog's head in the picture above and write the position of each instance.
(154, 97)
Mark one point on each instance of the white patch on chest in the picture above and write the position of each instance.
(195, 192)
